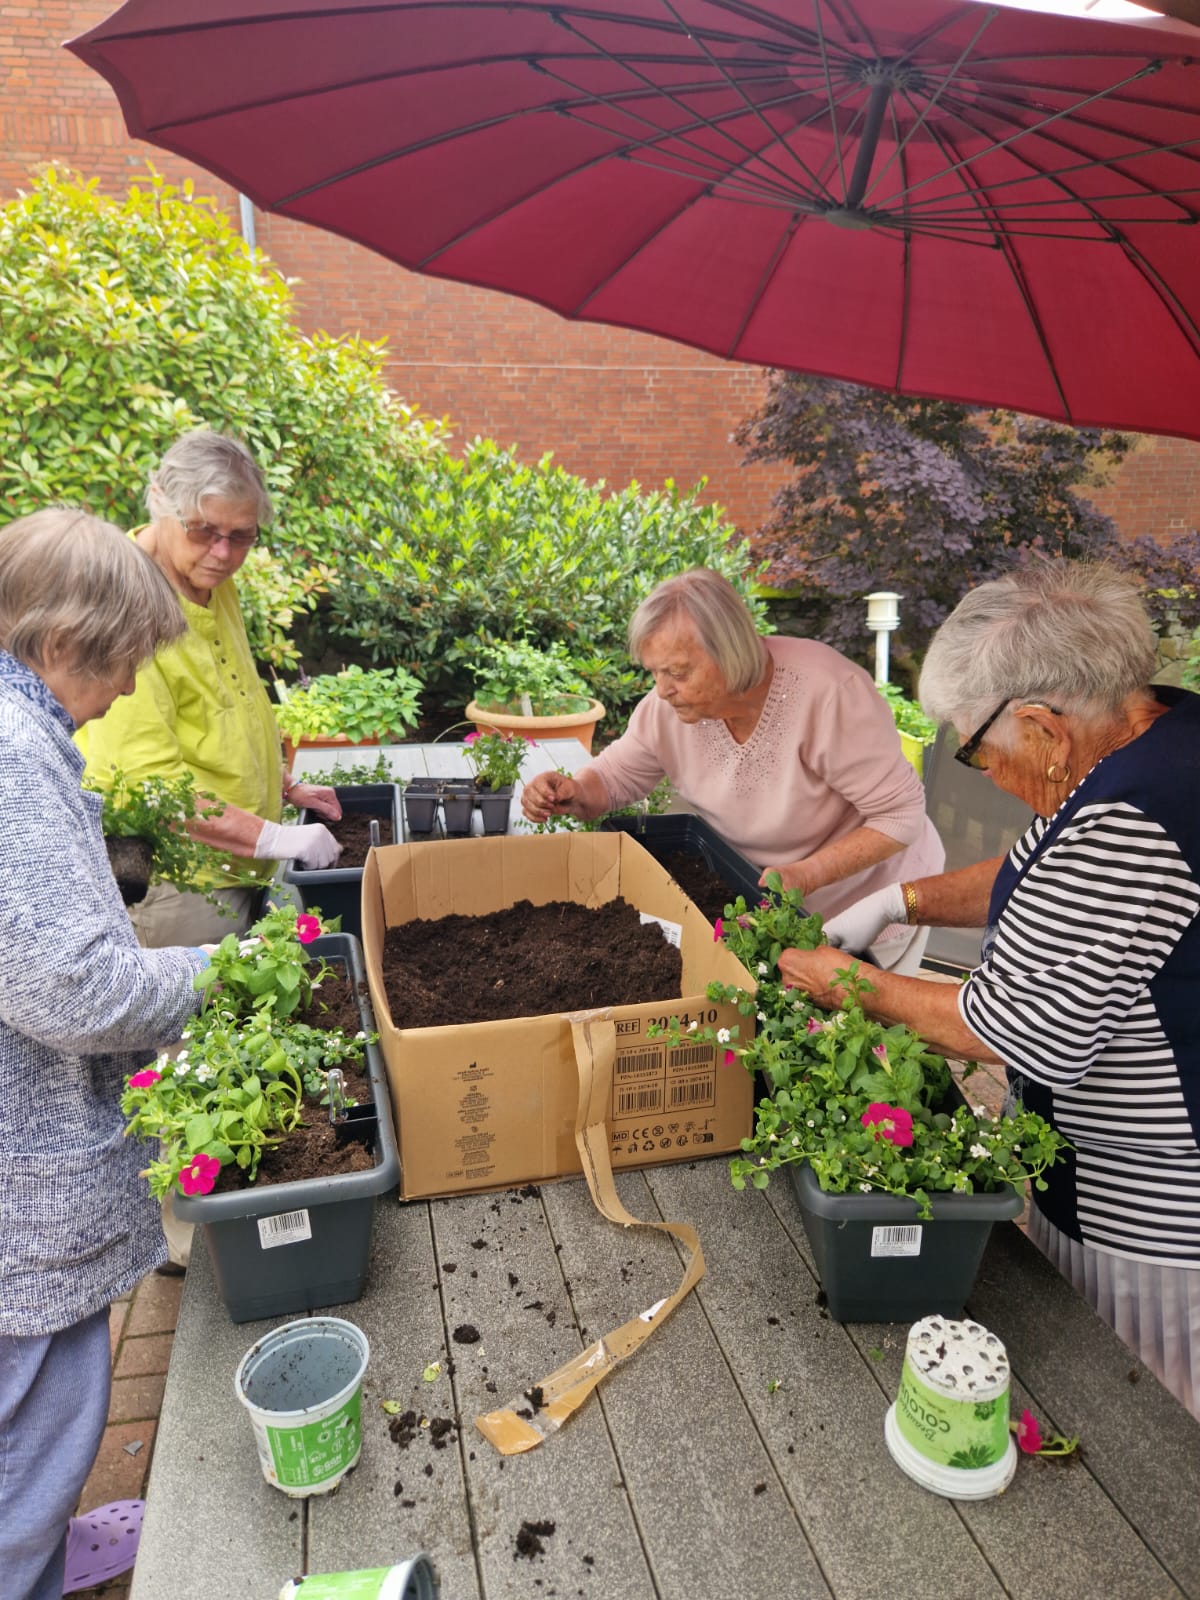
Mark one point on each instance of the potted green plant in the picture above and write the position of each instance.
(495, 759)
(144, 833)
(252, 1071)
(353, 706)
(916, 730)
(539, 692)
(899, 1180)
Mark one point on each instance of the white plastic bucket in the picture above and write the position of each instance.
(302, 1385)
(948, 1426)
(407, 1580)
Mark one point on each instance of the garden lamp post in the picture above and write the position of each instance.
(883, 617)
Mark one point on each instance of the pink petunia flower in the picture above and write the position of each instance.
(745, 922)
(200, 1174)
(730, 1057)
(471, 737)
(880, 1050)
(718, 930)
(307, 929)
(764, 905)
(813, 1026)
(143, 1079)
(892, 1123)
(1029, 1435)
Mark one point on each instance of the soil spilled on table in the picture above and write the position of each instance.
(526, 961)
(314, 1150)
(353, 832)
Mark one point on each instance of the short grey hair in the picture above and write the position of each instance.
(1071, 634)
(723, 622)
(67, 578)
(203, 464)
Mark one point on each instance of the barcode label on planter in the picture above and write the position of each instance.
(903, 1240)
(289, 1227)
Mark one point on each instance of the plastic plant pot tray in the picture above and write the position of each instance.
(338, 890)
(663, 836)
(291, 1247)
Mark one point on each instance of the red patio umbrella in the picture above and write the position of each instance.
(939, 196)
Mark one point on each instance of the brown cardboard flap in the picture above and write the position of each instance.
(565, 1390)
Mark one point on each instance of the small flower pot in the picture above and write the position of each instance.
(421, 805)
(579, 725)
(131, 859)
(458, 802)
(338, 890)
(495, 807)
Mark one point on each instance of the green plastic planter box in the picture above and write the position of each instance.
(863, 1245)
(290, 1247)
(338, 890)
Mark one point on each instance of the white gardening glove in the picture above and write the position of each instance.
(313, 845)
(861, 924)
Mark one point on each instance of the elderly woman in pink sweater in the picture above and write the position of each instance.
(782, 745)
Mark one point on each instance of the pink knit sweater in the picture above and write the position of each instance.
(824, 759)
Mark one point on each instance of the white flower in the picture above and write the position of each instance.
(795, 1138)
(691, 1027)
(762, 1016)
(186, 1034)
(811, 1123)
(978, 1152)
(865, 1187)
(763, 969)
(203, 1073)
(722, 1035)
(980, 1111)
(360, 1036)
(182, 1068)
(182, 1056)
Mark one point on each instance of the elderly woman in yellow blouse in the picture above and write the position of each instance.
(200, 706)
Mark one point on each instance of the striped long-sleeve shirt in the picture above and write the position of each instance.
(1090, 992)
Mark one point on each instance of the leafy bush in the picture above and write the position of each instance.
(123, 324)
(485, 548)
(927, 496)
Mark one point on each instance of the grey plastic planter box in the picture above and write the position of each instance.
(861, 1287)
(338, 890)
(259, 1277)
(663, 836)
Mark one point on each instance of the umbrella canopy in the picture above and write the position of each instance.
(941, 197)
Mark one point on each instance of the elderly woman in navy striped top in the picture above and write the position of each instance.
(1087, 990)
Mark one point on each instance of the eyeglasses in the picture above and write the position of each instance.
(968, 753)
(205, 533)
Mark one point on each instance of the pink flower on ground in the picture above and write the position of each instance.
(307, 929)
(143, 1079)
(1029, 1435)
(718, 930)
(892, 1123)
(730, 1057)
(200, 1174)
(471, 737)
(880, 1050)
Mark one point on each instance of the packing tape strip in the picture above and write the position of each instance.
(547, 1405)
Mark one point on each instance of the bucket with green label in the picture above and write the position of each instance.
(948, 1427)
(407, 1580)
(302, 1385)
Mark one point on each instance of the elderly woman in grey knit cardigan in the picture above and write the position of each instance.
(81, 1007)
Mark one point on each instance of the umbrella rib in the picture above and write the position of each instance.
(1003, 144)
(919, 121)
(1016, 270)
(906, 273)
(785, 239)
(833, 121)
(748, 103)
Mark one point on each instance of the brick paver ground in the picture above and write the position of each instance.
(141, 1328)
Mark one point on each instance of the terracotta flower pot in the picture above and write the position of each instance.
(579, 725)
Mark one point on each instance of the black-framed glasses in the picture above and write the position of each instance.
(205, 533)
(968, 753)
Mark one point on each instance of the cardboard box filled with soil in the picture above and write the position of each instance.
(478, 953)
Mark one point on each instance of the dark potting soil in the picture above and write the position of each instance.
(313, 1150)
(353, 832)
(700, 883)
(526, 961)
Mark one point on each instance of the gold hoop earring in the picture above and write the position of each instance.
(1064, 778)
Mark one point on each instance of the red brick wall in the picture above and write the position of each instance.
(608, 404)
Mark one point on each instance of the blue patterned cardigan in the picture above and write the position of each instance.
(81, 1006)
